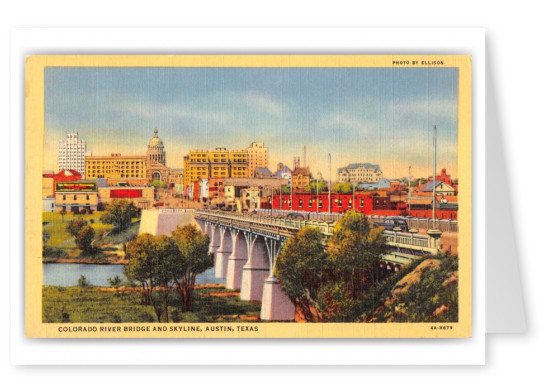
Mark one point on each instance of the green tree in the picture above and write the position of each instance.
(301, 267)
(75, 225)
(321, 187)
(343, 188)
(192, 257)
(84, 239)
(45, 238)
(83, 282)
(285, 189)
(120, 213)
(355, 251)
(158, 183)
(149, 260)
(114, 282)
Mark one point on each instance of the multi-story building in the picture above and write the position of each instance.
(220, 163)
(115, 166)
(257, 156)
(155, 163)
(71, 153)
(360, 173)
(76, 196)
(300, 178)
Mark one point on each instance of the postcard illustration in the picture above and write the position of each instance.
(229, 196)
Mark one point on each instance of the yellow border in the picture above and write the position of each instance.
(34, 140)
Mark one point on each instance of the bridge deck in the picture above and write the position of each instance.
(279, 227)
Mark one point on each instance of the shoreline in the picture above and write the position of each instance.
(85, 261)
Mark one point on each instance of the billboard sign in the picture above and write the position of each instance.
(61, 187)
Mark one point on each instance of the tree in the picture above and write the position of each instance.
(75, 225)
(83, 282)
(321, 186)
(120, 213)
(84, 239)
(192, 258)
(343, 188)
(45, 238)
(302, 270)
(114, 282)
(285, 189)
(355, 251)
(62, 212)
(149, 263)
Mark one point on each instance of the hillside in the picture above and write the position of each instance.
(424, 292)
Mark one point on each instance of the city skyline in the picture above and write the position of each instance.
(377, 115)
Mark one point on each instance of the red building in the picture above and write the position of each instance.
(365, 202)
(65, 176)
(369, 203)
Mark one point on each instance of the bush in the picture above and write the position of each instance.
(83, 282)
(54, 252)
(84, 239)
(75, 225)
(114, 282)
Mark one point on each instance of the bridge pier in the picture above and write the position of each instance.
(237, 259)
(255, 271)
(222, 254)
(276, 305)
(214, 240)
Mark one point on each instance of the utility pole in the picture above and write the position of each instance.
(409, 191)
(353, 196)
(434, 233)
(329, 185)
(434, 180)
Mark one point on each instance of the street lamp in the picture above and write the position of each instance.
(353, 196)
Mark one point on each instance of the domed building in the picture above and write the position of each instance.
(155, 163)
(156, 149)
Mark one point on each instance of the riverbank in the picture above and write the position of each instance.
(87, 261)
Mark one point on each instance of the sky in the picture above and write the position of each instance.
(381, 116)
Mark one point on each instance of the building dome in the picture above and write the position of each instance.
(155, 141)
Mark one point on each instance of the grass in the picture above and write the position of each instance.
(62, 245)
(92, 305)
(57, 228)
(123, 237)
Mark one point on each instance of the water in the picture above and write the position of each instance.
(67, 274)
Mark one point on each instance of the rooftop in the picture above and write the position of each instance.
(354, 166)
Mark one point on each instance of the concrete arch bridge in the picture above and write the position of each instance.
(246, 247)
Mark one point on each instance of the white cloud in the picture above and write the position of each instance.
(262, 102)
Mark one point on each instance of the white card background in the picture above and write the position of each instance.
(288, 352)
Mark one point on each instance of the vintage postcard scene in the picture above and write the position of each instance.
(248, 196)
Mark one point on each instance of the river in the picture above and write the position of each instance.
(67, 274)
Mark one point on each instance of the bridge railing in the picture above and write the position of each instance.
(411, 241)
(325, 227)
(413, 222)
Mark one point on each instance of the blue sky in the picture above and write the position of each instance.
(377, 115)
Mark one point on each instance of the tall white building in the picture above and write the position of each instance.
(70, 154)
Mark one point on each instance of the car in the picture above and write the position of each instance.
(390, 223)
(158, 204)
(295, 215)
